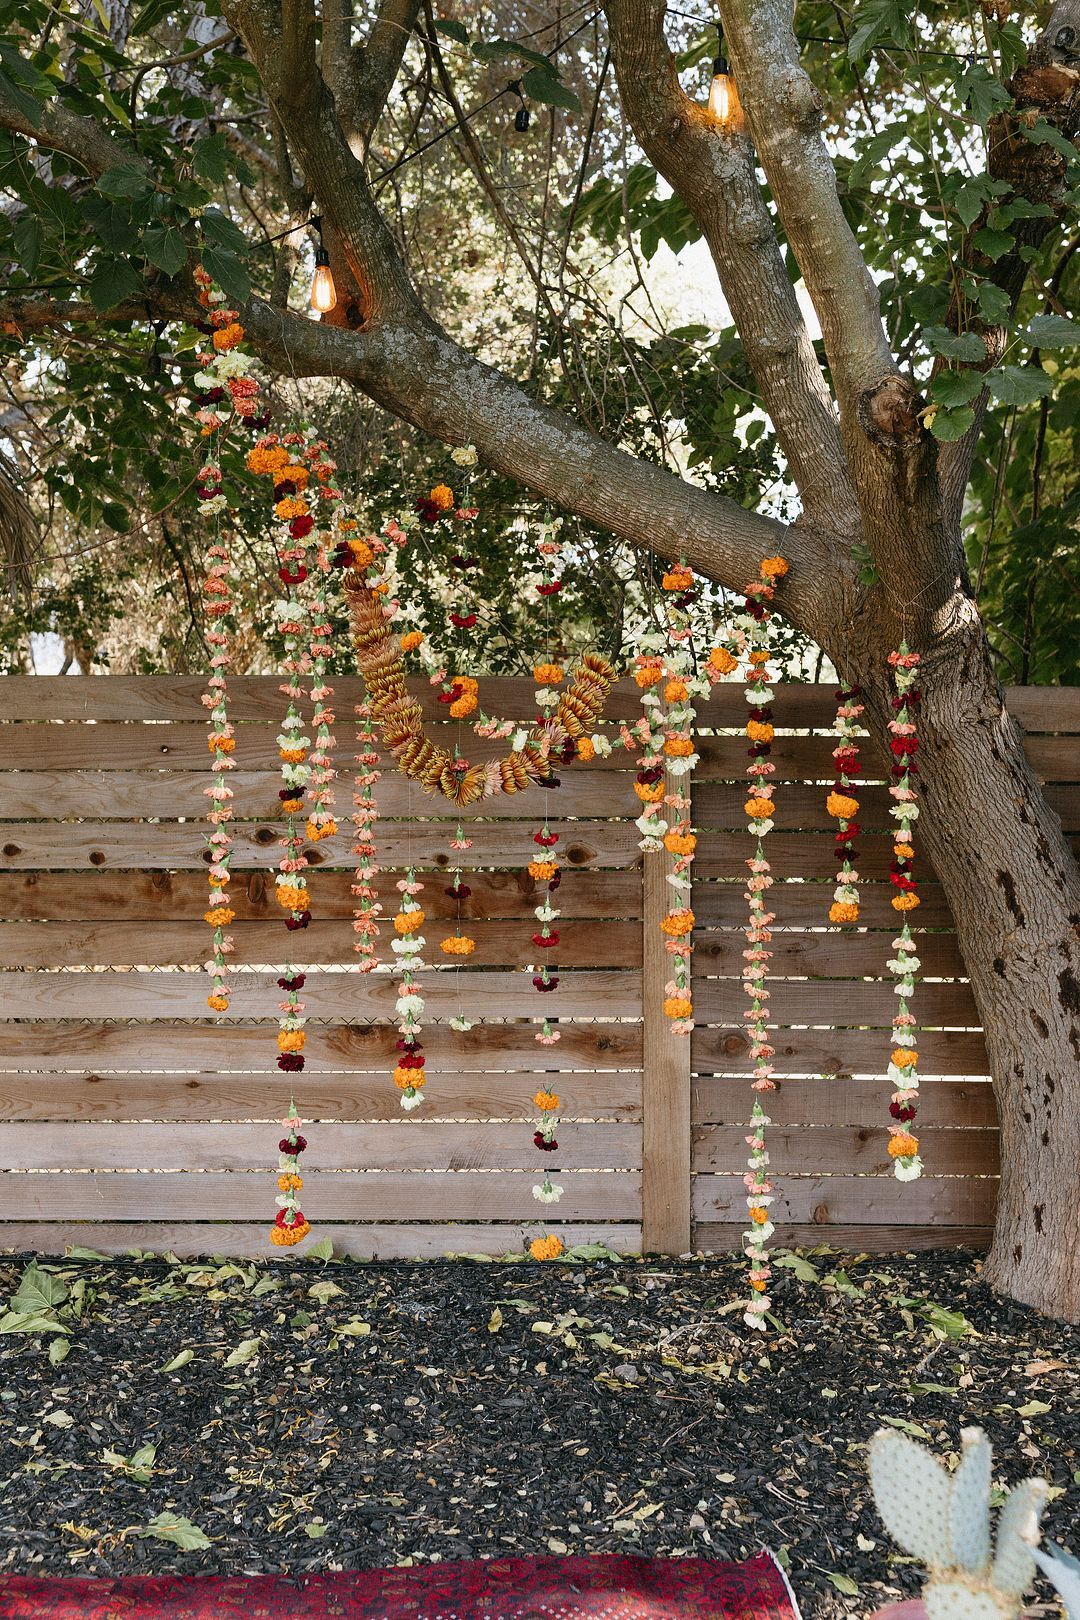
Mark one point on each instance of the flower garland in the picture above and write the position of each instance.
(409, 1074)
(903, 1061)
(843, 804)
(224, 378)
(681, 685)
(290, 1225)
(760, 807)
(364, 816)
(547, 1191)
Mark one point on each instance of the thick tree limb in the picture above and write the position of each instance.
(362, 76)
(713, 172)
(81, 138)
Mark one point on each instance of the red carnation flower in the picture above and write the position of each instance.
(549, 590)
(545, 1147)
(546, 939)
(300, 526)
(545, 985)
(463, 621)
(285, 1146)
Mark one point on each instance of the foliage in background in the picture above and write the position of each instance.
(549, 250)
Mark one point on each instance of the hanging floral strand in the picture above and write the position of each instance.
(760, 808)
(843, 804)
(681, 686)
(365, 814)
(905, 964)
(290, 1226)
(409, 1074)
(547, 1102)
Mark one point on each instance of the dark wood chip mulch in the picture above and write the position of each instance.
(347, 1415)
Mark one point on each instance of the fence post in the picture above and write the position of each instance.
(665, 1090)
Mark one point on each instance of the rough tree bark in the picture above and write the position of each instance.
(866, 468)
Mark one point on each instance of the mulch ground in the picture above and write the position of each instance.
(318, 1417)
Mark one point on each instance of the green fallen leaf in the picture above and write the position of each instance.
(181, 1359)
(356, 1329)
(843, 1583)
(323, 1250)
(58, 1349)
(322, 1291)
(245, 1351)
(916, 1430)
(181, 1532)
(77, 1252)
(799, 1264)
(495, 1320)
(60, 1419)
(38, 1293)
(15, 1322)
(316, 1529)
(1033, 1409)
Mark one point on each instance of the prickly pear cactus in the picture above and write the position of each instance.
(944, 1521)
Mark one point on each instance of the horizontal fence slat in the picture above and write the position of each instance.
(168, 896)
(723, 1049)
(166, 994)
(836, 1002)
(258, 697)
(503, 944)
(249, 1242)
(720, 804)
(860, 1150)
(56, 846)
(839, 954)
(847, 1239)
(806, 904)
(817, 1102)
(335, 1146)
(600, 1095)
(389, 1195)
(870, 1200)
(75, 1045)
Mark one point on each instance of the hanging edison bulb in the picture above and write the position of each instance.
(323, 291)
(723, 92)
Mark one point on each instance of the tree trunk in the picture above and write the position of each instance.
(1013, 887)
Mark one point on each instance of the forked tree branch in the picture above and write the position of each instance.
(713, 171)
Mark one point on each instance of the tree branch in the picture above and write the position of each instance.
(713, 172)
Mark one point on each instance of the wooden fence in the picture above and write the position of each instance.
(126, 1107)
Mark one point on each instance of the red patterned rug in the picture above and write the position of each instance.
(600, 1588)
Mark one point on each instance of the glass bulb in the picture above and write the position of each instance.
(323, 291)
(722, 97)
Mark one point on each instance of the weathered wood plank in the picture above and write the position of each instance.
(403, 1144)
(831, 953)
(840, 1052)
(806, 904)
(163, 896)
(164, 994)
(859, 1150)
(129, 944)
(849, 1240)
(844, 1102)
(250, 1242)
(216, 1049)
(720, 804)
(258, 697)
(838, 1002)
(855, 1200)
(63, 845)
(118, 795)
(600, 1095)
(723, 854)
(380, 1195)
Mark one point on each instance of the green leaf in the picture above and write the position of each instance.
(948, 425)
(323, 1250)
(58, 1350)
(798, 1263)
(245, 1351)
(1033, 1409)
(1052, 332)
(228, 272)
(979, 90)
(843, 1583)
(28, 233)
(23, 1322)
(181, 1359)
(38, 1291)
(956, 387)
(113, 280)
(181, 1532)
(543, 84)
(27, 104)
(124, 181)
(354, 1329)
(495, 50)
(916, 1430)
(1044, 134)
(316, 1529)
(221, 231)
(165, 247)
(881, 22)
(324, 1290)
(954, 345)
(150, 15)
(1019, 385)
(77, 1252)
(993, 243)
(210, 159)
(453, 30)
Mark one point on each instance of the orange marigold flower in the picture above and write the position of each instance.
(291, 507)
(678, 747)
(586, 749)
(542, 871)
(678, 1006)
(722, 661)
(458, 945)
(678, 923)
(905, 902)
(292, 807)
(903, 852)
(759, 658)
(293, 756)
(266, 458)
(759, 809)
(680, 843)
(649, 792)
(759, 1215)
(675, 691)
(227, 337)
(842, 806)
(546, 1248)
(290, 897)
(442, 496)
(219, 916)
(547, 674)
(362, 554)
(843, 911)
(678, 578)
(547, 1101)
(903, 1145)
(760, 731)
(462, 706)
(774, 567)
(411, 640)
(293, 473)
(407, 922)
(648, 675)
(219, 1003)
(285, 1236)
(291, 1040)
(404, 1078)
(221, 745)
(905, 1057)
(320, 829)
(757, 1284)
(290, 1183)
